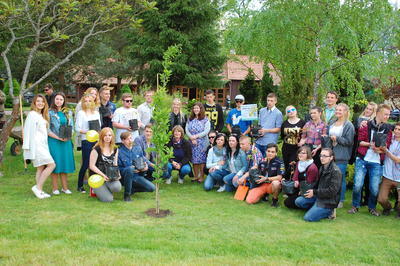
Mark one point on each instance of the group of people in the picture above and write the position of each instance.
(312, 172)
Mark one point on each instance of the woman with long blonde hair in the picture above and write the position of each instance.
(85, 121)
(35, 143)
(177, 117)
(104, 157)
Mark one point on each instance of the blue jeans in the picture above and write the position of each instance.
(185, 170)
(343, 170)
(375, 174)
(262, 148)
(215, 177)
(229, 186)
(133, 180)
(86, 150)
(314, 213)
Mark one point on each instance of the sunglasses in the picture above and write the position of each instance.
(46, 89)
(211, 137)
(239, 101)
(128, 101)
(290, 110)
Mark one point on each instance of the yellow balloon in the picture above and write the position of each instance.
(95, 181)
(92, 136)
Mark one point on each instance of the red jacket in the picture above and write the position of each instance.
(364, 134)
(311, 174)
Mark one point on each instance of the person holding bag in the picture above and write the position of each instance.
(305, 172)
(104, 162)
(87, 119)
(35, 143)
(60, 144)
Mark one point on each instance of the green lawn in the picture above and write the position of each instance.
(205, 229)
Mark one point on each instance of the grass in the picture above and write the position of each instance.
(206, 228)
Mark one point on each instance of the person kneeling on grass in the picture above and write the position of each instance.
(103, 158)
(321, 201)
(271, 170)
(133, 165)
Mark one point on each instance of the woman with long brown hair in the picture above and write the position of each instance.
(197, 129)
(103, 157)
(35, 143)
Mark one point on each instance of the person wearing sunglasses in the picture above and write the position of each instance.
(320, 202)
(126, 118)
(270, 119)
(49, 93)
(234, 120)
(291, 134)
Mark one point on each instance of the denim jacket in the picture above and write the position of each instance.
(126, 157)
(55, 121)
(239, 162)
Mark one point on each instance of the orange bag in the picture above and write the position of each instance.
(241, 192)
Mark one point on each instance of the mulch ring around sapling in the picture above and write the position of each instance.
(163, 213)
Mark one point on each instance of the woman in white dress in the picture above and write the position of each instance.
(35, 144)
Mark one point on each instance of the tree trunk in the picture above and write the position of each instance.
(157, 198)
(317, 76)
(119, 82)
(8, 126)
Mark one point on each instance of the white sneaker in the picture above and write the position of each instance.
(56, 192)
(45, 195)
(37, 192)
(340, 205)
(67, 191)
(221, 189)
(180, 181)
(168, 181)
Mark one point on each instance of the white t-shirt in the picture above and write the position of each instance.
(82, 122)
(372, 156)
(336, 131)
(122, 115)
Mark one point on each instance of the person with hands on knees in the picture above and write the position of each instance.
(132, 165)
(271, 171)
(103, 161)
(182, 154)
(306, 172)
(320, 202)
(215, 161)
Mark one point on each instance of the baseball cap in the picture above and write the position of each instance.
(239, 97)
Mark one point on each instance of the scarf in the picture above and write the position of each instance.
(304, 164)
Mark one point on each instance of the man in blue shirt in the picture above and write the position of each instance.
(234, 117)
(270, 119)
(133, 177)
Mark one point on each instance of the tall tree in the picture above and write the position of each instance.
(318, 45)
(249, 87)
(35, 25)
(191, 24)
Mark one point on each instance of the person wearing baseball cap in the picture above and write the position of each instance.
(234, 118)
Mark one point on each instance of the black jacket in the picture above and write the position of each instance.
(187, 149)
(329, 186)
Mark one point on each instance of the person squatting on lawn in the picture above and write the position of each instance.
(215, 161)
(133, 166)
(104, 162)
(321, 201)
(305, 176)
(271, 170)
(35, 143)
(391, 173)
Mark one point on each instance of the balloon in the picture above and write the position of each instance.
(92, 136)
(95, 181)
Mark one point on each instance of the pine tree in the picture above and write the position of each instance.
(249, 88)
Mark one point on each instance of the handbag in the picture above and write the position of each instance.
(104, 111)
(112, 172)
(288, 186)
(139, 163)
(326, 142)
(304, 186)
(65, 132)
(133, 124)
(241, 192)
(94, 125)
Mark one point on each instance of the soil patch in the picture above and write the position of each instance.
(163, 213)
